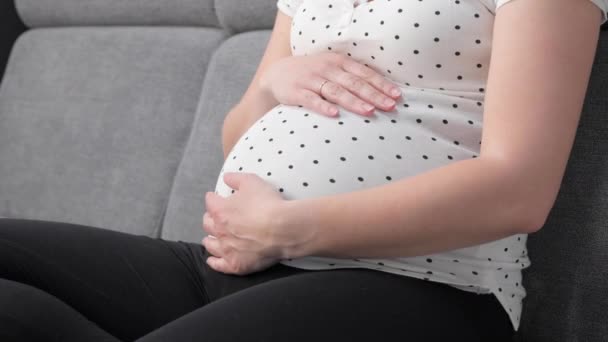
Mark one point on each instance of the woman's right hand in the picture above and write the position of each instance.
(296, 80)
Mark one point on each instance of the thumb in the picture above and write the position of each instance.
(234, 179)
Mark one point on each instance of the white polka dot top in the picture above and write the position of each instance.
(438, 51)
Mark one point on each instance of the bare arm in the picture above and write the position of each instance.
(537, 82)
(256, 102)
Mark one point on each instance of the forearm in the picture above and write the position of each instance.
(233, 128)
(462, 204)
(236, 123)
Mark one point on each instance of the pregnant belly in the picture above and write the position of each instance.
(305, 154)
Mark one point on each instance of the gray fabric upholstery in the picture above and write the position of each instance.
(93, 122)
(567, 282)
(230, 72)
(37, 13)
(239, 16)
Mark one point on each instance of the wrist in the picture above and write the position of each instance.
(265, 89)
(300, 229)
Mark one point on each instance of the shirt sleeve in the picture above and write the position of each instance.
(289, 7)
(602, 4)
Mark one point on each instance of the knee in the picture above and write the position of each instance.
(21, 305)
(28, 313)
(24, 302)
(13, 293)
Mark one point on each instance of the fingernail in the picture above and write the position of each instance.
(389, 102)
(368, 106)
(396, 91)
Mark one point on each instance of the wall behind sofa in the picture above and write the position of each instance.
(11, 27)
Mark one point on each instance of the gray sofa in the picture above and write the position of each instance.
(111, 114)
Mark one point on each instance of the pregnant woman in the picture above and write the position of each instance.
(360, 199)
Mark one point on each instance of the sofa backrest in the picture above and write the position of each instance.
(52, 13)
(229, 73)
(95, 112)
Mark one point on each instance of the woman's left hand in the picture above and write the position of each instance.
(249, 229)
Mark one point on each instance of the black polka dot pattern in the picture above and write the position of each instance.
(434, 55)
(438, 52)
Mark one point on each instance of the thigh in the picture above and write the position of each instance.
(31, 315)
(127, 284)
(352, 304)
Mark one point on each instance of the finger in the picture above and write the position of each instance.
(213, 246)
(314, 101)
(356, 105)
(217, 264)
(371, 76)
(213, 201)
(339, 95)
(234, 179)
(363, 89)
(207, 220)
(210, 227)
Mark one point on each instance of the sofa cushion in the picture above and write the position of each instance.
(36, 13)
(230, 72)
(93, 122)
(239, 16)
(567, 282)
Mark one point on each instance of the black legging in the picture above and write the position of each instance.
(67, 282)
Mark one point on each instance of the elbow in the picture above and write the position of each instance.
(534, 223)
(525, 202)
(530, 216)
(522, 219)
(537, 207)
(524, 214)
